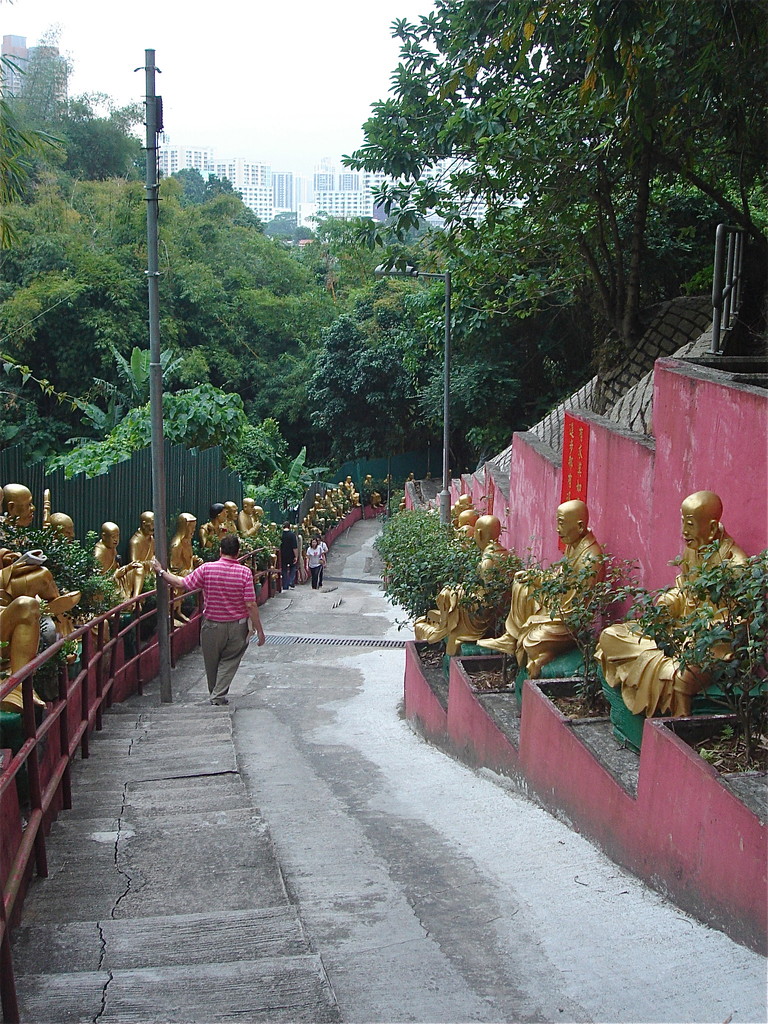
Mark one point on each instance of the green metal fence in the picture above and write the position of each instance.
(399, 466)
(194, 480)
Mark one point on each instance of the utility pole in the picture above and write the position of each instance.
(154, 124)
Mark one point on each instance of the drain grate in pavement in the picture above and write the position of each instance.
(332, 641)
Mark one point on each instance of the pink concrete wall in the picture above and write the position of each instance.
(497, 506)
(421, 704)
(685, 832)
(472, 733)
(534, 494)
(709, 436)
(620, 485)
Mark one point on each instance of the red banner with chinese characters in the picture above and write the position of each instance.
(575, 461)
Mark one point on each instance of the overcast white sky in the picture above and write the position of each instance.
(283, 81)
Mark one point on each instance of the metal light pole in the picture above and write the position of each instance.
(445, 494)
(154, 125)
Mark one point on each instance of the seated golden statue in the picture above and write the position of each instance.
(651, 682)
(216, 527)
(249, 518)
(531, 634)
(141, 548)
(456, 622)
(105, 553)
(181, 558)
(20, 637)
(463, 504)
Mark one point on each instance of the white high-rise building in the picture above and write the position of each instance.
(324, 177)
(344, 204)
(253, 181)
(283, 192)
(184, 158)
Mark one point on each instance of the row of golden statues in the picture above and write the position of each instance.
(651, 682)
(26, 582)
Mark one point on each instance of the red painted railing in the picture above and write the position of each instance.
(114, 662)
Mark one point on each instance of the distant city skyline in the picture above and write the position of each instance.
(283, 84)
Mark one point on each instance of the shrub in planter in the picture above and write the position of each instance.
(717, 643)
(574, 596)
(720, 644)
(422, 556)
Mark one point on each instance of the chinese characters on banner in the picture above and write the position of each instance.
(575, 461)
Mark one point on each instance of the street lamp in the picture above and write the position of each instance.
(382, 271)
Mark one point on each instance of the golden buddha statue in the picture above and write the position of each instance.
(463, 504)
(650, 681)
(181, 558)
(465, 523)
(230, 513)
(180, 555)
(59, 522)
(249, 518)
(216, 527)
(531, 634)
(105, 553)
(62, 524)
(456, 622)
(141, 548)
(20, 639)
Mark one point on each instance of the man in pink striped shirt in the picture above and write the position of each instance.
(230, 613)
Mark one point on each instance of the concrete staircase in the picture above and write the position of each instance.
(164, 900)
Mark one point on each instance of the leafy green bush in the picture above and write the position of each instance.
(583, 603)
(722, 640)
(72, 566)
(421, 556)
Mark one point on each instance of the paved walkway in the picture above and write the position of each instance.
(302, 855)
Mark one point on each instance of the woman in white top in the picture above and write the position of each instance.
(315, 562)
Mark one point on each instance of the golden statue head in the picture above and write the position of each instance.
(17, 500)
(700, 514)
(110, 535)
(468, 517)
(249, 504)
(147, 524)
(487, 530)
(230, 508)
(62, 524)
(572, 521)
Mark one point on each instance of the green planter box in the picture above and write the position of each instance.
(563, 667)
(628, 728)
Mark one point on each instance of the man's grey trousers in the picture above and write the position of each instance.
(223, 645)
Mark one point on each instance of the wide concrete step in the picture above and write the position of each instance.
(272, 990)
(159, 941)
(181, 866)
(156, 799)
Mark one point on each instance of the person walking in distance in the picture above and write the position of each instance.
(315, 562)
(230, 613)
(289, 549)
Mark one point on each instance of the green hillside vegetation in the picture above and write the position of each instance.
(605, 149)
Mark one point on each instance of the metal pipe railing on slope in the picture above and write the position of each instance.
(51, 739)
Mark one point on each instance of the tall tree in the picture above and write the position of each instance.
(579, 113)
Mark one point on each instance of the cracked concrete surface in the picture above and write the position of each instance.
(304, 856)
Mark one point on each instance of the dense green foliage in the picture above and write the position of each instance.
(584, 130)
(603, 141)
